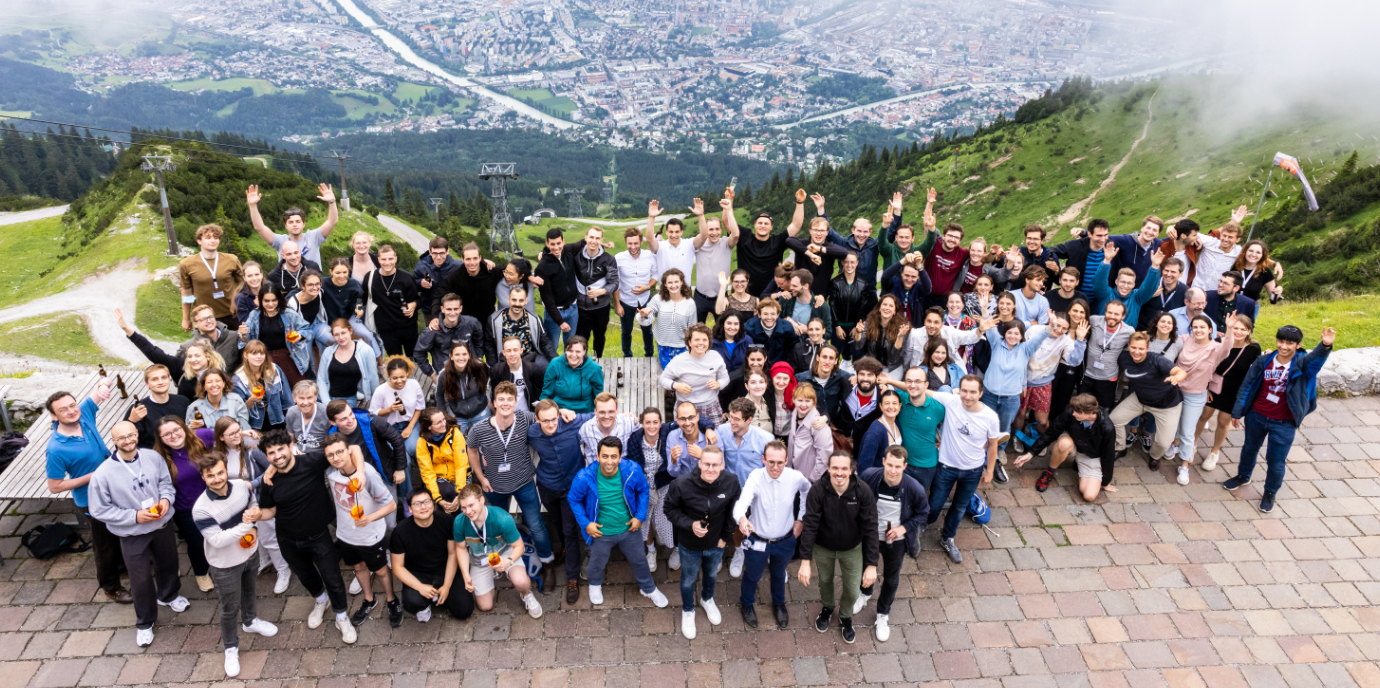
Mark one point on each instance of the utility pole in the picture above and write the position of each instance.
(344, 193)
(436, 208)
(159, 164)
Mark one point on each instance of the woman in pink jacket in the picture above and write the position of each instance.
(1198, 359)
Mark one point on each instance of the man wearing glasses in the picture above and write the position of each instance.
(919, 421)
(423, 552)
(434, 269)
(132, 494)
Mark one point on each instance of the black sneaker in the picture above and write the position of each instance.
(1235, 482)
(395, 613)
(848, 634)
(1130, 436)
(749, 615)
(1045, 479)
(951, 549)
(362, 614)
(999, 473)
(1147, 441)
(822, 621)
(1267, 503)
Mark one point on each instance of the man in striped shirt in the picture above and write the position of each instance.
(607, 422)
(503, 466)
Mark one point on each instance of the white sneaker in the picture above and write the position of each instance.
(1211, 461)
(687, 624)
(651, 558)
(284, 579)
(347, 629)
(424, 615)
(1183, 475)
(204, 583)
(318, 613)
(261, 627)
(179, 604)
(673, 562)
(533, 606)
(232, 662)
(596, 594)
(656, 597)
(882, 628)
(355, 588)
(143, 637)
(711, 610)
(862, 602)
(735, 567)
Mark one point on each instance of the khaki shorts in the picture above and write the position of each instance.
(483, 575)
(1088, 467)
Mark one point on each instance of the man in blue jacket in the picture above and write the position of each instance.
(902, 508)
(1280, 389)
(609, 500)
(557, 442)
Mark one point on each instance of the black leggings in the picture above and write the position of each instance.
(460, 602)
(593, 326)
(893, 555)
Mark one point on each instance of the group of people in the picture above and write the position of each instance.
(831, 411)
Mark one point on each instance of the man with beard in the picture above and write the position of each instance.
(858, 408)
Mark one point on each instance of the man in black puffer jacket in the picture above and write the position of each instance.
(1084, 430)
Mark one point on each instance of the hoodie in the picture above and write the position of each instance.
(597, 272)
(691, 499)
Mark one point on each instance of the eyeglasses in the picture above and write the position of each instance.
(687, 419)
(126, 438)
(169, 434)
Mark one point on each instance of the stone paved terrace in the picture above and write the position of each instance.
(1186, 587)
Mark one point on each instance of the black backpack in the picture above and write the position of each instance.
(51, 539)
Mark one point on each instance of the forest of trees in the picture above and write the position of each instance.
(859, 89)
(61, 164)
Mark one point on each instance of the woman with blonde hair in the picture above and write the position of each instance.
(247, 298)
(362, 260)
(264, 388)
(1223, 387)
(185, 369)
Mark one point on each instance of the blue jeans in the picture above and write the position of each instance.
(631, 544)
(530, 505)
(352, 401)
(1006, 408)
(777, 556)
(570, 315)
(692, 562)
(924, 476)
(1188, 423)
(963, 483)
(466, 423)
(1280, 435)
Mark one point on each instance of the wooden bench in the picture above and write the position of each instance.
(27, 476)
(640, 386)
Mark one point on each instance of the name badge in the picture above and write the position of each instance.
(759, 545)
(1099, 365)
(148, 502)
(1272, 398)
(218, 295)
(504, 467)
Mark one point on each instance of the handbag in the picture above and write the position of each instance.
(1215, 384)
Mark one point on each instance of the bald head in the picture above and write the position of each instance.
(1195, 300)
(292, 254)
(126, 438)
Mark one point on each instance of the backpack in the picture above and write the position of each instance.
(11, 443)
(530, 558)
(978, 509)
(48, 540)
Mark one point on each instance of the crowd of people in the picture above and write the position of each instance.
(838, 402)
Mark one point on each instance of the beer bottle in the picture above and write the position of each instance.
(620, 377)
(199, 417)
(120, 385)
(100, 369)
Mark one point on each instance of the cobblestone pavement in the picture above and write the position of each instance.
(1163, 585)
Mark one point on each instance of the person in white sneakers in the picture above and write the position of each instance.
(490, 545)
(362, 501)
(425, 562)
(700, 505)
(776, 495)
(609, 500)
(742, 445)
(902, 507)
(226, 514)
(132, 493)
(244, 461)
(295, 494)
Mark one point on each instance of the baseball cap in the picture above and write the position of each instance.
(761, 215)
(1289, 333)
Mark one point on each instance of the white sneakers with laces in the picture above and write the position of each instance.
(284, 579)
(1183, 475)
(687, 624)
(656, 596)
(711, 611)
(533, 606)
(232, 662)
(735, 567)
(347, 629)
(1211, 461)
(260, 627)
(651, 558)
(862, 602)
(143, 637)
(178, 604)
(882, 628)
(596, 594)
(318, 612)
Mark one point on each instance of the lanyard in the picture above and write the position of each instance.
(1246, 276)
(501, 438)
(481, 531)
(214, 284)
(140, 482)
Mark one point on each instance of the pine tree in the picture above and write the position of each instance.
(389, 197)
(453, 206)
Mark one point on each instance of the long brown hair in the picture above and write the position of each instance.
(194, 446)
(873, 328)
(266, 373)
(222, 425)
(475, 369)
(665, 293)
(1265, 262)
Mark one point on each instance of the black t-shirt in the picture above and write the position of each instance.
(392, 293)
(344, 377)
(1146, 379)
(175, 406)
(424, 549)
(310, 310)
(272, 332)
(760, 258)
(1057, 303)
(301, 497)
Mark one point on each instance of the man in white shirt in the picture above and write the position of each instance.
(935, 327)
(607, 422)
(674, 252)
(713, 254)
(770, 534)
(637, 277)
(1218, 253)
(967, 456)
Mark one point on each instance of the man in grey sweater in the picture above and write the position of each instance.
(1107, 340)
(132, 494)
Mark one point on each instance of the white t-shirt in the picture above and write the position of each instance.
(374, 495)
(521, 385)
(710, 260)
(411, 395)
(635, 272)
(679, 257)
(964, 442)
(310, 245)
(1212, 262)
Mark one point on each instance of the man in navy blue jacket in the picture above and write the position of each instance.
(1280, 389)
(1228, 299)
(556, 440)
(903, 505)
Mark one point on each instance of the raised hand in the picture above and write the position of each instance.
(1239, 214)
(1156, 259)
(327, 194)
(120, 321)
(1109, 253)
(819, 203)
(931, 195)
(726, 203)
(723, 279)
(654, 208)
(1329, 335)
(897, 202)
(1083, 329)
(799, 195)
(252, 196)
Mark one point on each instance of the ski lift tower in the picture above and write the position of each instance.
(577, 204)
(501, 237)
